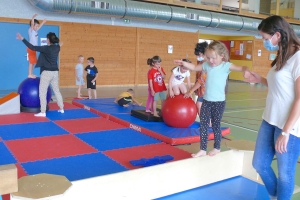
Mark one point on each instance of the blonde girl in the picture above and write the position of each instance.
(217, 69)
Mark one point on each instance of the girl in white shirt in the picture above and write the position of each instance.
(176, 81)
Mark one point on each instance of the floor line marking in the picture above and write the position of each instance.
(240, 127)
(246, 100)
(243, 110)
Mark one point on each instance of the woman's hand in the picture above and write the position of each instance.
(187, 95)
(19, 36)
(281, 143)
(178, 62)
(251, 77)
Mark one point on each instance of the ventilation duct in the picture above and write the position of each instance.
(150, 11)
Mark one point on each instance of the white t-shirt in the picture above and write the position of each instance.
(178, 76)
(281, 94)
(33, 37)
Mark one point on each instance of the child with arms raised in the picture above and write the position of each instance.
(33, 39)
(217, 70)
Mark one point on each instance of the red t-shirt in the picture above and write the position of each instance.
(157, 80)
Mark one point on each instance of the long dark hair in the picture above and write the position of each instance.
(52, 38)
(288, 40)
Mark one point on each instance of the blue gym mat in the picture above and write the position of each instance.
(116, 139)
(108, 106)
(70, 114)
(30, 130)
(169, 134)
(75, 167)
(162, 128)
(5, 155)
(237, 188)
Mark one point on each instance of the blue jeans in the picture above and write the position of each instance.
(283, 186)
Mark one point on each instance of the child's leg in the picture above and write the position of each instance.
(182, 88)
(30, 71)
(217, 111)
(204, 121)
(79, 91)
(163, 97)
(199, 104)
(176, 89)
(55, 87)
(154, 109)
(89, 93)
(95, 93)
(32, 61)
(149, 104)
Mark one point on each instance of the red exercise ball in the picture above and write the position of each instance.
(179, 112)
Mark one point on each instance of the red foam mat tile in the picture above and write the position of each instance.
(33, 149)
(54, 106)
(21, 118)
(21, 171)
(123, 156)
(88, 125)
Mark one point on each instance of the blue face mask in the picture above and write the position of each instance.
(269, 46)
(200, 59)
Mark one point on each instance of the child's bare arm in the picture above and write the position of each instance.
(44, 21)
(193, 89)
(189, 82)
(135, 101)
(170, 85)
(188, 65)
(117, 99)
(151, 87)
(32, 21)
(162, 72)
(95, 78)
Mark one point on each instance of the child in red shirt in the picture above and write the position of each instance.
(156, 82)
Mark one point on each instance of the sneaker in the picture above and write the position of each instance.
(40, 114)
(61, 111)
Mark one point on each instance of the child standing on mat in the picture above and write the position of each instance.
(79, 75)
(176, 81)
(125, 98)
(156, 81)
(91, 77)
(33, 39)
(213, 105)
(150, 99)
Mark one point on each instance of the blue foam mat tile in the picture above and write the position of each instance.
(70, 114)
(75, 167)
(137, 121)
(163, 129)
(5, 156)
(30, 130)
(107, 105)
(116, 139)
(237, 188)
